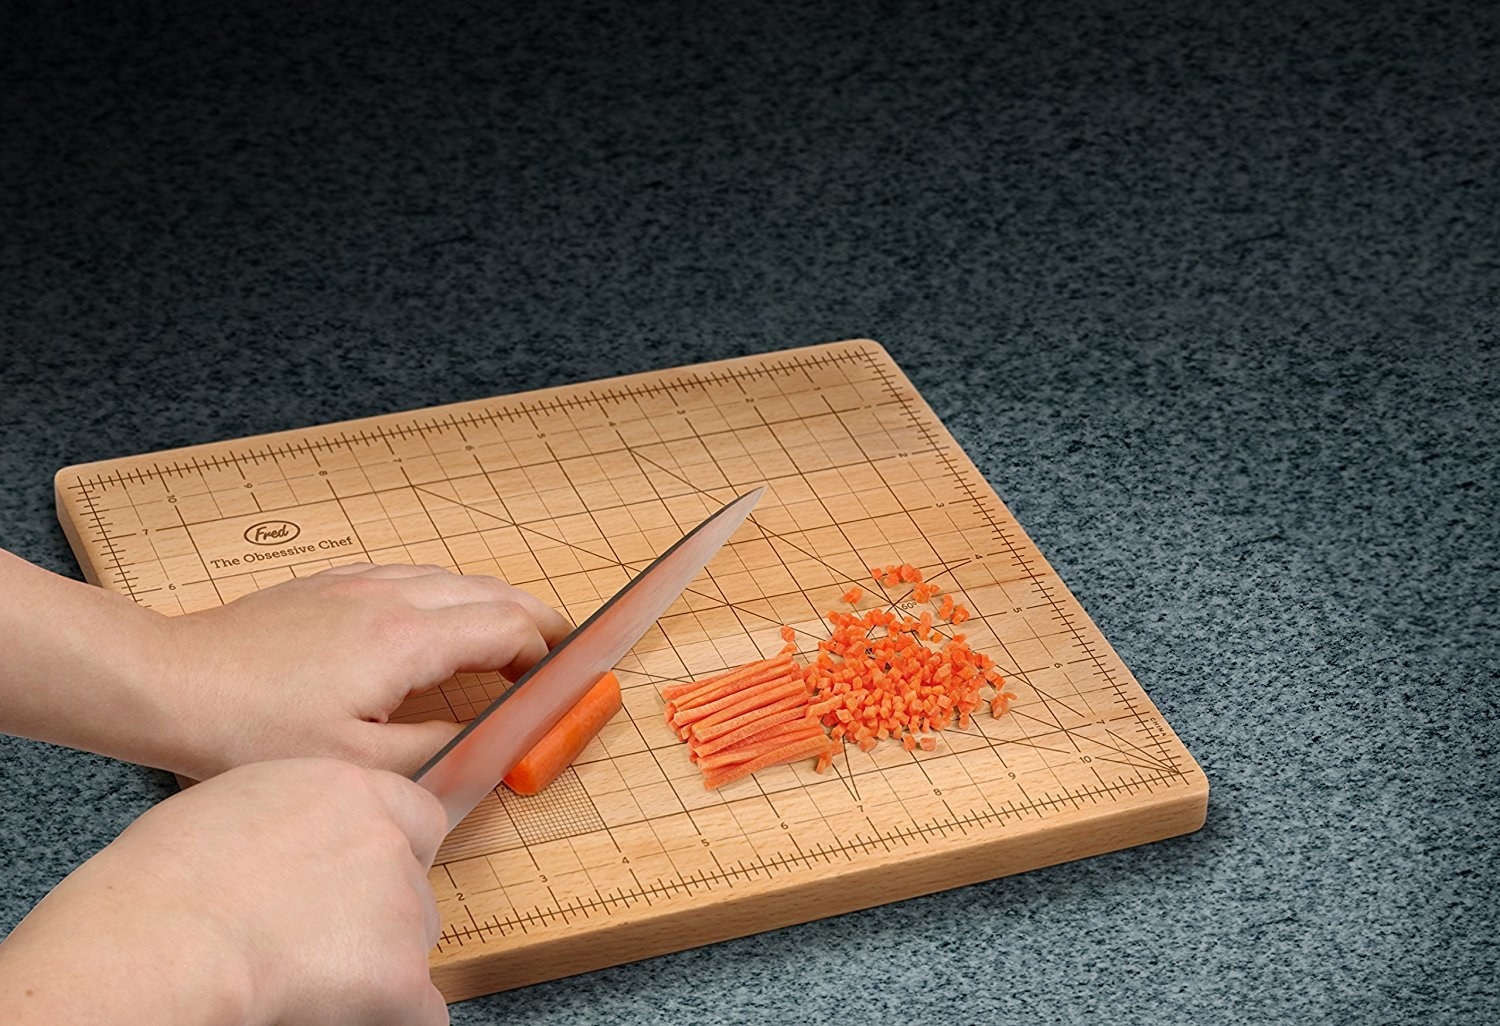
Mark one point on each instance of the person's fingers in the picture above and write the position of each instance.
(404, 747)
(415, 810)
(432, 922)
(344, 569)
(481, 636)
(386, 571)
(428, 586)
(435, 591)
(552, 623)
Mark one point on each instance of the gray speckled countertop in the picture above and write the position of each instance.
(1208, 291)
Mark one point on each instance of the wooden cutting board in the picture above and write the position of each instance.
(567, 492)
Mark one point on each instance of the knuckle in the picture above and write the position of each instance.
(492, 589)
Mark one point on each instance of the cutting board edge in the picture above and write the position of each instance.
(654, 375)
(69, 524)
(683, 927)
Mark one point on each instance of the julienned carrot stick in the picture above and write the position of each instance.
(751, 752)
(687, 696)
(738, 701)
(761, 744)
(710, 729)
(568, 737)
(753, 733)
(733, 682)
(786, 753)
(675, 691)
(795, 710)
(793, 691)
(744, 670)
(827, 705)
(731, 718)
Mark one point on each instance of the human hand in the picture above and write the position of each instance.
(316, 665)
(290, 892)
(311, 666)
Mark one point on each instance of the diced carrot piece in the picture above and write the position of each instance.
(826, 706)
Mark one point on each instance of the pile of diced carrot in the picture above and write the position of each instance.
(883, 675)
(878, 675)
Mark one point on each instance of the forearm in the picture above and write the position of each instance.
(79, 667)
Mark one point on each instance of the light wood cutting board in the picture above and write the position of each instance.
(567, 492)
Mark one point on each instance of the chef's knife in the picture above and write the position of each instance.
(470, 765)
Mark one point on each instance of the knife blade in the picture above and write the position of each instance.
(473, 763)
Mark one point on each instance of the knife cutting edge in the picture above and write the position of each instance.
(473, 763)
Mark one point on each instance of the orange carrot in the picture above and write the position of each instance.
(794, 702)
(754, 750)
(888, 675)
(731, 683)
(746, 700)
(687, 687)
(753, 733)
(568, 737)
(745, 714)
(785, 753)
(880, 674)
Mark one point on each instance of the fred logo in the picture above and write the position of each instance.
(271, 532)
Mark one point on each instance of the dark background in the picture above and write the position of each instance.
(1208, 291)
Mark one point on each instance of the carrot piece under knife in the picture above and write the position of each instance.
(570, 735)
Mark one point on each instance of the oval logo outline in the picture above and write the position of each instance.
(272, 532)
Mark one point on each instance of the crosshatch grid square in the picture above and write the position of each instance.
(858, 478)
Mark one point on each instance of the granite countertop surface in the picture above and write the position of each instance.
(1209, 292)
